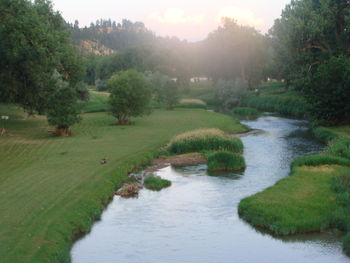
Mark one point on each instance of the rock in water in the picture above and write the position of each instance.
(129, 190)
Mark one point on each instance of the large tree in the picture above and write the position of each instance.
(234, 52)
(310, 36)
(34, 43)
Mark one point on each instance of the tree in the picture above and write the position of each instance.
(231, 92)
(310, 38)
(171, 94)
(165, 89)
(131, 94)
(234, 52)
(34, 43)
(329, 91)
(63, 109)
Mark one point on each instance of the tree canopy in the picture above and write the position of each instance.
(34, 43)
(131, 94)
(310, 40)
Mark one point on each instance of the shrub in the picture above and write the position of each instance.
(205, 139)
(246, 113)
(156, 183)
(340, 148)
(225, 161)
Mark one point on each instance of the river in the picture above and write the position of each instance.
(196, 220)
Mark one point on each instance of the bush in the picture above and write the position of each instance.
(156, 183)
(205, 140)
(246, 113)
(225, 161)
(340, 148)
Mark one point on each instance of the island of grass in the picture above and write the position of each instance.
(205, 140)
(155, 183)
(225, 162)
(52, 189)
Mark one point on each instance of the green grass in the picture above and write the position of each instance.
(342, 131)
(273, 97)
(300, 203)
(205, 140)
(225, 161)
(191, 104)
(156, 183)
(98, 102)
(340, 148)
(324, 134)
(52, 188)
(319, 159)
(246, 113)
(204, 91)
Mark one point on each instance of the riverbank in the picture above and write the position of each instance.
(196, 220)
(52, 189)
(306, 201)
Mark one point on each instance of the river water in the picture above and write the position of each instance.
(196, 220)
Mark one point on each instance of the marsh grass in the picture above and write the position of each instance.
(205, 140)
(324, 135)
(319, 159)
(156, 183)
(246, 113)
(287, 105)
(340, 148)
(225, 161)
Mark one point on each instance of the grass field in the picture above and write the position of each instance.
(51, 188)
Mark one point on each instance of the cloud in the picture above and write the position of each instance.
(243, 16)
(177, 16)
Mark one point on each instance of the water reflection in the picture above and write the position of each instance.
(196, 220)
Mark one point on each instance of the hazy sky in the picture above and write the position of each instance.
(187, 19)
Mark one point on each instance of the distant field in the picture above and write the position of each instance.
(51, 187)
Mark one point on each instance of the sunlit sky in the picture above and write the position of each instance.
(186, 19)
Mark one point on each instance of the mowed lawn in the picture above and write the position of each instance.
(50, 188)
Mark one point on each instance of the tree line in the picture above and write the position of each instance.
(42, 70)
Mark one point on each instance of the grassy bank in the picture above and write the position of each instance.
(53, 188)
(302, 202)
(307, 200)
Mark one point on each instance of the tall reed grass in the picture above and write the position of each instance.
(225, 161)
(205, 140)
(245, 113)
(287, 105)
